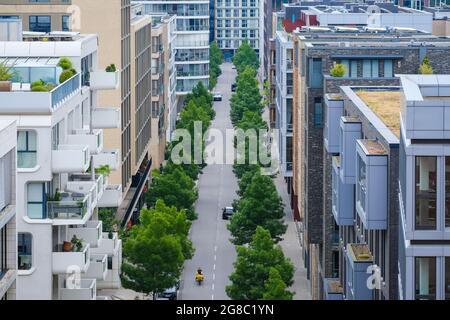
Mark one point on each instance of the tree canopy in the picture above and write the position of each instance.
(250, 280)
(260, 205)
(156, 249)
(244, 57)
(215, 60)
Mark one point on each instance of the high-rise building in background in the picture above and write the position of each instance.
(192, 39)
(237, 21)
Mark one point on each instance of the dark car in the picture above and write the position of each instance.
(227, 212)
(217, 96)
(233, 87)
(168, 294)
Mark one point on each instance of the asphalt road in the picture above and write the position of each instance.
(217, 188)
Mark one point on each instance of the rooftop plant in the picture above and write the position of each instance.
(338, 70)
(111, 68)
(6, 73)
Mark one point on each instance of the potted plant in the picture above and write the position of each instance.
(338, 70)
(104, 170)
(111, 68)
(67, 246)
(6, 74)
(77, 243)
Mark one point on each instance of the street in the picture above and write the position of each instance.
(217, 186)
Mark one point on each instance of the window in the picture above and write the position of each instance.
(40, 23)
(354, 69)
(425, 193)
(315, 73)
(3, 251)
(24, 251)
(36, 200)
(318, 112)
(65, 23)
(361, 183)
(289, 154)
(26, 149)
(447, 192)
(370, 69)
(425, 278)
(447, 278)
(289, 114)
(388, 69)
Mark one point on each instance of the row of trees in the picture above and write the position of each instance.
(215, 60)
(261, 270)
(157, 247)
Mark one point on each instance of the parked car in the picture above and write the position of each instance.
(233, 87)
(217, 96)
(227, 212)
(169, 294)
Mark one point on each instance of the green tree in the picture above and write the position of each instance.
(260, 206)
(267, 99)
(247, 96)
(245, 57)
(425, 67)
(175, 188)
(156, 249)
(215, 60)
(275, 288)
(253, 265)
(251, 120)
(108, 219)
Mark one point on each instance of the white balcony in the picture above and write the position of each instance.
(93, 139)
(110, 158)
(102, 80)
(91, 232)
(112, 196)
(71, 208)
(106, 118)
(82, 183)
(108, 245)
(66, 262)
(70, 158)
(84, 289)
(98, 268)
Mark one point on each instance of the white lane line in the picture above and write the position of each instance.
(215, 257)
(215, 248)
(214, 276)
(212, 287)
(212, 297)
(214, 267)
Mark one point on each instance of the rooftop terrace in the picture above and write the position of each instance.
(386, 105)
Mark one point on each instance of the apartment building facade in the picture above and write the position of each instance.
(237, 21)
(373, 61)
(284, 102)
(192, 39)
(8, 232)
(60, 136)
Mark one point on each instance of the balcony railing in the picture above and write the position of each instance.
(39, 102)
(91, 232)
(70, 158)
(84, 289)
(72, 206)
(192, 73)
(191, 44)
(65, 261)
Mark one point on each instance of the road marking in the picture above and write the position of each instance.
(215, 248)
(214, 276)
(215, 257)
(214, 266)
(212, 287)
(212, 297)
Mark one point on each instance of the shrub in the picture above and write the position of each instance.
(338, 71)
(37, 83)
(111, 68)
(6, 73)
(65, 75)
(40, 88)
(65, 63)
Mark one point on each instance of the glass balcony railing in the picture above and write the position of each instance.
(71, 206)
(62, 91)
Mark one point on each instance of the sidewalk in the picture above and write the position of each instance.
(291, 246)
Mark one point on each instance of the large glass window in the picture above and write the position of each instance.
(315, 73)
(425, 278)
(40, 23)
(65, 23)
(362, 184)
(447, 278)
(24, 251)
(36, 200)
(26, 149)
(425, 193)
(447, 192)
(318, 112)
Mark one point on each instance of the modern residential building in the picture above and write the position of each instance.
(369, 59)
(131, 33)
(389, 180)
(8, 232)
(192, 39)
(60, 141)
(283, 101)
(164, 98)
(237, 21)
